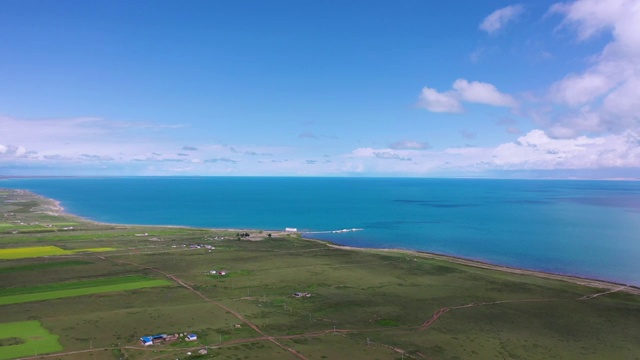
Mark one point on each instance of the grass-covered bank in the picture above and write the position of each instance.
(363, 303)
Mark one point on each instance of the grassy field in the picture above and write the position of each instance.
(26, 338)
(38, 251)
(363, 304)
(76, 288)
(44, 266)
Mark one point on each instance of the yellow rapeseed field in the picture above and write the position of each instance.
(38, 251)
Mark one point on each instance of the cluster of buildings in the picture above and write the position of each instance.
(200, 246)
(164, 338)
(196, 246)
(301, 294)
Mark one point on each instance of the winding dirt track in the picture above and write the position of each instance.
(446, 309)
(588, 297)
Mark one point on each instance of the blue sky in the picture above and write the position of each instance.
(320, 88)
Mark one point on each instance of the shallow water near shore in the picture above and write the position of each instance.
(583, 228)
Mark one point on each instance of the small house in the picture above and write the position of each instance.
(191, 337)
(146, 340)
(218, 272)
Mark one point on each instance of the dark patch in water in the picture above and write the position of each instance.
(435, 203)
(444, 206)
(619, 202)
(533, 202)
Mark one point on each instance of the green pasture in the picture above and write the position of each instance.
(45, 224)
(38, 251)
(42, 266)
(91, 233)
(29, 338)
(77, 288)
(6, 225)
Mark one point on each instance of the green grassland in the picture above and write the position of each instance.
(42, 266)
(76, 288)
(364, 304)
(27, 338)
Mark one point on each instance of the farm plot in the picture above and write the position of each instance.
(26, 338)
(77, 288)
(43, 266)
(38, 251)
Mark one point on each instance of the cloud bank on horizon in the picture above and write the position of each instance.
(532, 89)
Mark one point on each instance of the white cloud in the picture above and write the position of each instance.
(501, 17)
(593, 16)
(576, 90)
(476, 55)
(434, 101)
(482, 93)
(625, 100)
(463, 90)
(13, 151)
(390, 156)
(603, 97)
(535, 150)
(97, 146)
(409, 144)
(385, 154)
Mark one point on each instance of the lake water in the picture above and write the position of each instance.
(584, 228)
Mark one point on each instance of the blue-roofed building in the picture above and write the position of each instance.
(153, 339)
(146, 340)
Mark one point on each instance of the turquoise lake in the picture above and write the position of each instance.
(583, 228)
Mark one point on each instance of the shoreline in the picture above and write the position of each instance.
(56, 209)
(596, 283)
